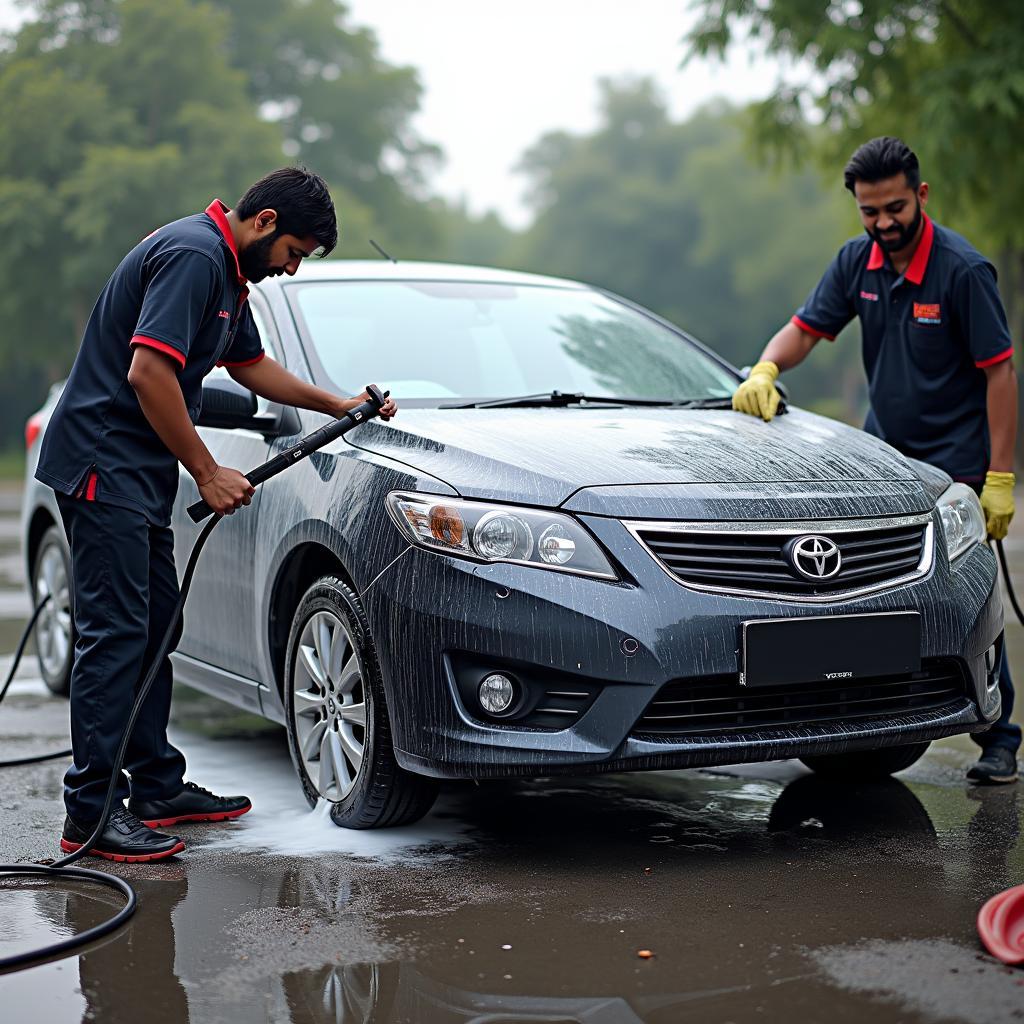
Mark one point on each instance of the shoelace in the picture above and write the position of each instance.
(204, 792)
(122, 816)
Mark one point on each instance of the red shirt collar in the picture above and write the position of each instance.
(218, 212)
(918, 263)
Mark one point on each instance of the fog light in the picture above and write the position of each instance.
(496, 694)
(992, 668)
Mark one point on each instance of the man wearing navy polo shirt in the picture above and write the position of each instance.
(172, 310)
(937, 352)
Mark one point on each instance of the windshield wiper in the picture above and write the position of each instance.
(561, 399)
(719, 403)
(557, 399)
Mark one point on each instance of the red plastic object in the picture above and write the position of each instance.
(32, 429)
(1001, 926)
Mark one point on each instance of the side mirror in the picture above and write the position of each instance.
(226, 404)
(230, 406)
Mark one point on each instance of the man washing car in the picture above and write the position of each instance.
(172, 310)
(938, 356)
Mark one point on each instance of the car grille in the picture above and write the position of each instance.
(756, 562)
(718, 704)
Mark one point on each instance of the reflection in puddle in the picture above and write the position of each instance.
(539, 918)
(528, 901)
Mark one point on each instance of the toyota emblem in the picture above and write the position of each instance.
(814, 557)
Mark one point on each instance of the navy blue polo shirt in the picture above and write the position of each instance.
(928, 334)
(181, 292)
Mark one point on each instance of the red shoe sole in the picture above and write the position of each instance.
(185, 818)
(124, 858)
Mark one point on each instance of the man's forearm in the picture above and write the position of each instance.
(789, 347)
(1002, 415)
(270, 380)
(156, 386)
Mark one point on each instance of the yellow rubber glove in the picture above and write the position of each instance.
(757, 396)
(997, 501)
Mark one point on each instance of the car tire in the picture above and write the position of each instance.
(55, 629)
(866, 764)
(339, 732)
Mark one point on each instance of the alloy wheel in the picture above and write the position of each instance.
(329, 705)
(53, 629)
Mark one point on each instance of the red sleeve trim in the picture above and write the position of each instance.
(812, 330)
(245, 362)
(1002, 357)
(160, 346)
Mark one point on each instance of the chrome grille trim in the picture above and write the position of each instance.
(827, 527)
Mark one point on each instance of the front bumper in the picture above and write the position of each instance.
(430, 614)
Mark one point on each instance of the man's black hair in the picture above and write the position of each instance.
(882, 158)
(301, 201)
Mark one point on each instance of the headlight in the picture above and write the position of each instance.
(498, 533)
(963, 520)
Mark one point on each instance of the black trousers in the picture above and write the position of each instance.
(125, 587)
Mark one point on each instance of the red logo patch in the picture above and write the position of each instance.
(870, 296)
(225, 315)
(927, 312)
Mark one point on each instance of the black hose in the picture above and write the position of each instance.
(39, 758)
(1008, 582)
(61, 868)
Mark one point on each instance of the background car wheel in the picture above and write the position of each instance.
(55, 631)
(339, 733)
(866, 764)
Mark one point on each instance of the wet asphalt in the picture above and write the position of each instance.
(760, 892)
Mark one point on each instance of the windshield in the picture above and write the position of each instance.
(442, 340)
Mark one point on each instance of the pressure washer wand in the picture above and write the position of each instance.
(309, 444)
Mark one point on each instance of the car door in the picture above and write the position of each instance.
(220, 617)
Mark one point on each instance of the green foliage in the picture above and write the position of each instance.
(121, 115)
(946, 75)
(479, 240)
(681, 218)
(340, 109)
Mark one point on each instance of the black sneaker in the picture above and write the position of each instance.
(125, 838)
(193, 803)
(996, 766)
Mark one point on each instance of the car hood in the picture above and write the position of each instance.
(603, 460)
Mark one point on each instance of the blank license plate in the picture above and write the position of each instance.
(829, 648)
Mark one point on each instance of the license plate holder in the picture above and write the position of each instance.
(829, 648)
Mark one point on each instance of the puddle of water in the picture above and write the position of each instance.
(936, 977)
(30, 917)
(281, 821)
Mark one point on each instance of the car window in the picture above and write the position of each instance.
(447, 340)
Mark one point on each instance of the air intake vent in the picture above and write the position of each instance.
(718, 704)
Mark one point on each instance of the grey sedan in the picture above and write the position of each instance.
(566, 554)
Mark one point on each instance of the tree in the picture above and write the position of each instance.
(121, 115)
(341, 110)
(946, 75)
(104, 138)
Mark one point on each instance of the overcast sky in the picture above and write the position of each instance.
(496, 76)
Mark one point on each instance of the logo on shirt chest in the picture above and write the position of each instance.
(927, 313)
(870, 296)
(225, 314)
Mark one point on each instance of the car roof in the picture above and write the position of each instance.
(412, 270)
